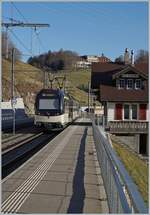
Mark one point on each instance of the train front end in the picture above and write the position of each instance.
(49, 109)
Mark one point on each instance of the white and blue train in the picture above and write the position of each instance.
(54, 109)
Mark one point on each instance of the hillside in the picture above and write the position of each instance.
(29, 80)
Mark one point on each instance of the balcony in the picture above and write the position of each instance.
(127, 127)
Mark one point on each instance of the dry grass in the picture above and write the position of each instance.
(137, 168)
(30, 79)
(27, 78)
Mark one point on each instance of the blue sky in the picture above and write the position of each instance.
(89, 28)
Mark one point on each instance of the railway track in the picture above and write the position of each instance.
(21, 138)
(7, 134)
(20, 151)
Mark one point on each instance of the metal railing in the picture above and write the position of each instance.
(128, 126)
(123, 195)
(121, 126)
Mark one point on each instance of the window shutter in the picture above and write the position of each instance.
(142, 111)
(118, 112)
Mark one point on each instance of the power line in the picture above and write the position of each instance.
(19, 12)
(21, 24)
(15, 23)
(31, 28)
(6, 17)
(24, 18)
(19, 40)
(11, 10)
(40, 42)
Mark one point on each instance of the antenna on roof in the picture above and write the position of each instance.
(132, 57)
(126, 56)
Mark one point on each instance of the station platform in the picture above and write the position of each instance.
(63, 177)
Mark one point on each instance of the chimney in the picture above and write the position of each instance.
(126, 57)
(132, 57)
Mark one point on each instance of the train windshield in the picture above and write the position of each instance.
(49, 104)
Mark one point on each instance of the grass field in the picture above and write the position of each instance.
(27, 79)
(30, 79)
(137, 168)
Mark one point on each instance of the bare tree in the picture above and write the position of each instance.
(57, 60)
(6, 40)
(142, 56)
(119, 59)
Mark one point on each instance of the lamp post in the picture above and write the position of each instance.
(89, 89)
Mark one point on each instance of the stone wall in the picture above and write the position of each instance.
(132, 141)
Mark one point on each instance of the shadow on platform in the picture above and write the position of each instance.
(77, 200)
(82, 123)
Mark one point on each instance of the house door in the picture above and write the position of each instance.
(143, 144)
(118, 112)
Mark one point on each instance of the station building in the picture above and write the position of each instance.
(122, 89)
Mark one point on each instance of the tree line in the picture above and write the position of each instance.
(55, 61)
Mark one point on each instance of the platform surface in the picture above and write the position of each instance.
(64, 177)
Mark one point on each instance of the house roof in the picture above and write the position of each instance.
(143, 67)
(103, 59)
(102, 73)
(102, 78)
(110, 93)
(107, 67)
(129, 68)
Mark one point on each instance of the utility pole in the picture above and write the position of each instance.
(89, 87)
(20, 24)
(6, 43)
(45, 83)
(12, 89)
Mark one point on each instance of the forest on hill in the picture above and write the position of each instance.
(55, 61)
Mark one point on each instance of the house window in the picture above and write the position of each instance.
(134, 111)
(126, 111)
(138, 84)
(121, 83)
(117, 83)
(130, 84)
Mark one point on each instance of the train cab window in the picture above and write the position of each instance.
(48, 104)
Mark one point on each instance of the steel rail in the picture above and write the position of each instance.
(18, 152)
(9, 145)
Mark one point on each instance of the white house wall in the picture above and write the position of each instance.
(147, 113)
(111, 111)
